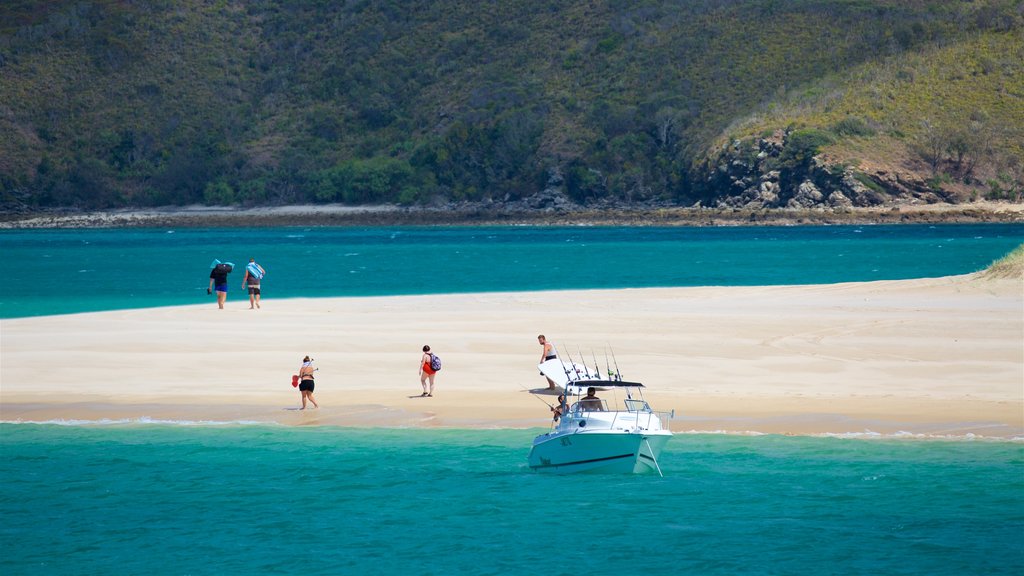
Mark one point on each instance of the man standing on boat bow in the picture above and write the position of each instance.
(547, 353)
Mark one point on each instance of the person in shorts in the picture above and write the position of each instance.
(219, 281)
(547, 352)
(306, 382)
(251, 280)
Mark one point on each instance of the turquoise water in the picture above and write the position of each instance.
(264, 499)
(255, 499)
(67, 271)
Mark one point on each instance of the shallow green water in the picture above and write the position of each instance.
(67, 271)
(140, 499)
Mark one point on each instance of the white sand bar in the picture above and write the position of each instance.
(935, 357)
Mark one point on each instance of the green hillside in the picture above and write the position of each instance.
(113, 103)
(945, 123)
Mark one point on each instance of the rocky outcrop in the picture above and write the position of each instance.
(766, 173)
(15, 201)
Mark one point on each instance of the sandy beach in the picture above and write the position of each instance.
(934, 357)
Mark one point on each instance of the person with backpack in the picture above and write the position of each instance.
(253, 274)
(429, 365)
(219, 280)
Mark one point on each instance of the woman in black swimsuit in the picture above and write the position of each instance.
(306, 382)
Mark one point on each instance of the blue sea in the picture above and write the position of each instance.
(236, 498)
(68, 271)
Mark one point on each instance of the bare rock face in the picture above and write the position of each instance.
(552, 198)
(807, 196)
(747, 174)
(839, 200)
(768, 192)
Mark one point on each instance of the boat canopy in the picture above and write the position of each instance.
(605, 384)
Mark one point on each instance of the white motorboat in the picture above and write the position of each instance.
(595, 436)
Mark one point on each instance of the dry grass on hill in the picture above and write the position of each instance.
(1009, 266)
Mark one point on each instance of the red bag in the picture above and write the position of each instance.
(295, 380)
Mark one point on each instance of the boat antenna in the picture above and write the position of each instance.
(618, 374)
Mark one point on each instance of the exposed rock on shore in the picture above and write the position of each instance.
(777, 171)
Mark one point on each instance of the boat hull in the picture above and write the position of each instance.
(608, 451)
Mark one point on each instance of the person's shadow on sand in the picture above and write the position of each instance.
(548, 391)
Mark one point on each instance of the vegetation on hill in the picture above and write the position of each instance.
(949, 117)
(111, 103)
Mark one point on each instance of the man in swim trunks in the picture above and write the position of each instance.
(251, 281)
(219, 281)
(547, 353)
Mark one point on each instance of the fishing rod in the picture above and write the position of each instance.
(583, 361)
(564, 369)
(617, 373)
(569, 379)
(532, 393)
(574, 370)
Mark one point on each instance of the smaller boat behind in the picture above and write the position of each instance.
(595, 436)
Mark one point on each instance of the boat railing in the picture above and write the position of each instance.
(645, 418)
(639, 418)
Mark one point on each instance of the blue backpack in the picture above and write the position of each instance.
(255, 270)
(435, 362)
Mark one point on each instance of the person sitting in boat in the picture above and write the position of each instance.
(591, 401)
(558, 409)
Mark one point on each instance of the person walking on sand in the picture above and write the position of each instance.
(547, 352)
(219, 280)
(306, 382)
(251, 280)
(427, 372)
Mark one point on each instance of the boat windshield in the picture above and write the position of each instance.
(637, 405)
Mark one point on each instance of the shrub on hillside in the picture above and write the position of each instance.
(852, 126)
(801, 146)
